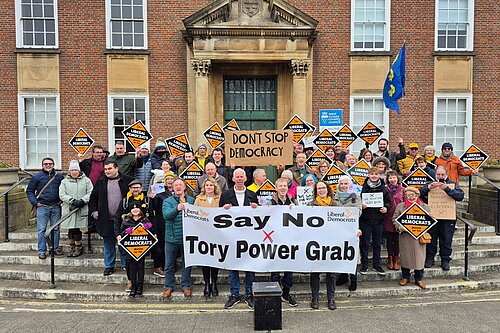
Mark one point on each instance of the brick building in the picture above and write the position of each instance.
(182, 65)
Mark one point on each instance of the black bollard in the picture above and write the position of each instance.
(267, 310)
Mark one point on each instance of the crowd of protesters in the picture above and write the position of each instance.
(111, 194)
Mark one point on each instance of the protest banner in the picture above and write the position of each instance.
(214, 135)
(316, 157)
(232, 125)
(265, 192)
(139, 242)
(370, 133)
(305, 195)
(272, 238)
(81, 141)
(259, 148)
(416, 220)
(299, 127)
(359, 171)
(191, 174)
(137, 134)
(178, 145)
(373, 200)
(325, 139)
(333, 175)
(474, 157)
(346, 136)
(443, 207)
(417, 179)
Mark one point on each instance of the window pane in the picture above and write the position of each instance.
(127, 12)
(138, 27)
(137, 12)
(118, 118)
(37, 11)
(26, 10)
(50, 39)
(116, 40)
(118, 104)
(116, 12)
(139, 40)
(48, 10)
(116, 26)
(39, 25)
(50, 26)
(127, 40)
(129, 104)
(127, 26)
(39, 39)
(140, 105)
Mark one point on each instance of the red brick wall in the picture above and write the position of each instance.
(82, 41)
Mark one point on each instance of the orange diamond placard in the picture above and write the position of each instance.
(333, 175)
(370, 133)
(214, 135)
(265, 192)
(474, 157)
(299, 127)
(417, 179)
(316, 157)
(191, 174)
(137, 134)
(81, 141)
(178, 145)
(325, 139)
(346, 136)
(139, 242)
(232, 125)
(359, 172)
(416, 220)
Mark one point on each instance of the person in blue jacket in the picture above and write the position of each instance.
(47, 202)
(173, 206)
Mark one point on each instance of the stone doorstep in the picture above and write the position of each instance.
(95, 276)
(152, 294)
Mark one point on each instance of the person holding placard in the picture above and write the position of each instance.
(412, 251)
(421, 162)
(323, 167)
(135, 214)
(376, 203)
(445, 228)
(344, 198)
(452, 163)
(323, 196)
(209, 197)
(392, 234)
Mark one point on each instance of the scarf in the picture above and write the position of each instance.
(324, 202)
(408, 203)
(372, 184)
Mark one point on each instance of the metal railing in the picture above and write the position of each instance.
(49, 236)
(489, 182)
(5, 194)
(468, 239)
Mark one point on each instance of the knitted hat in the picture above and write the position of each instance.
(169, 174)
(160, 143)
(287, 174)
(201, 145)
(74, 165)
(134, 203)
(382, 159)
(308, 176)
(446, 145)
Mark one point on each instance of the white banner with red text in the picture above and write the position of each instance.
(272, 238)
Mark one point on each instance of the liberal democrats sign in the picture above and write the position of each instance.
(272, 238)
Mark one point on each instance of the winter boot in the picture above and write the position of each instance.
(78, 249)
(396, 263)
(71, 252)
(390, 263)
(138, 290)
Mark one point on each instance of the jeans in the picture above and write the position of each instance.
(419, 274)
(172, 252)
(330, 285)
(234, 280)
(443, 230)
(286, 282)
(370, 232)
(44, 214)
(109, 252)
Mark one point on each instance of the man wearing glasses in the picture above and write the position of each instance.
(452, 163)
(43, 192)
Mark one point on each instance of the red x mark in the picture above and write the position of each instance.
(268, 236)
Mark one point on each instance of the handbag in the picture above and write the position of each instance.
(34, 207)
(425, 238)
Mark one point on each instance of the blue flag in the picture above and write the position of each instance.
(394, 86)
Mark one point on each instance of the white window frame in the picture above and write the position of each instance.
(385, 124)
(19, 29)
(22, 132)
(470, 31)
(111, 131)
(387, 29)
(468, 118)
(109, 32)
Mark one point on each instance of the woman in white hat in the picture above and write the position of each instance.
(75, 192)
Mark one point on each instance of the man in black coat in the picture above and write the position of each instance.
(239, 196)
(106, 206)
